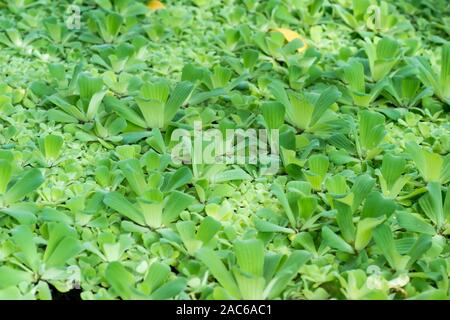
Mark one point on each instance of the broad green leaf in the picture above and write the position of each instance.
(280, 94)
(66, 249)
(273, 114)
(120, 279)
(306, 207)
(5, 174)
(354, 76)
(421, 246)
(11, 277)
(52, 146)
(371, 129)
(250, 256)
(157, 274)
(364, 231)
(344, 219)
(286, 272)
(385, 242)
(429, 164)
(220, 77)
(251, 287)
(361, 189)
(68, 109)
(230, 175)
(179, 96)
(392, 168)
(305, 240)
(175, 203)
(447, 204)
(177, 179)
(24, 240)
(281, 196)
(120, 204)
(124, 111)
(415, 223)
(169, 290)
(57, 232)
(94, 105)
(132, 171)
(432, 294)
(445, 72)
(89, 86)
(377, 206)
(266, 226)
(158, 91)
(325, 100)
(332, 240)
(26, 184)
(152, 111)
(151, 206)
(186, 230)
(318, 167)
(22, 212)
(11, 293)
(431, 204)
(218, 270)
(207, 229)
(382, 57)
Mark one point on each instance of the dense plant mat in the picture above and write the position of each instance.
(93, 205)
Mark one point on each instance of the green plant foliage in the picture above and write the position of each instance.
(93, 197)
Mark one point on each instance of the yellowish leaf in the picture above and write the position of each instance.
(155, 5)
(290, 35)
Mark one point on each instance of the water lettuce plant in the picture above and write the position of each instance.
(98, 96)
